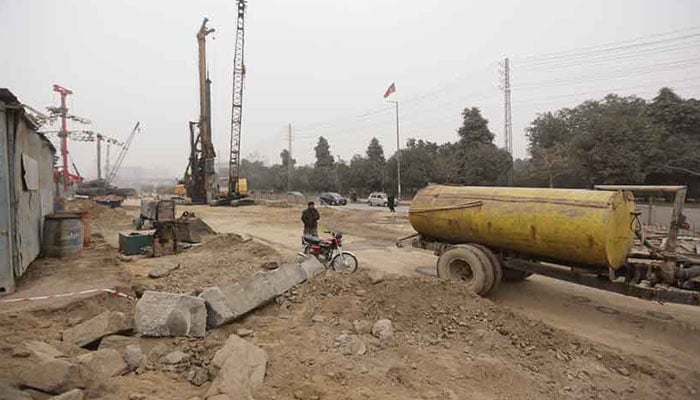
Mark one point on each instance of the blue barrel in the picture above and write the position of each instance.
(63, 235)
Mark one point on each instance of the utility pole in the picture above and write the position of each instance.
(64, 133)
(508, 118)
(398, 151)
(290, 165)
(98, 139)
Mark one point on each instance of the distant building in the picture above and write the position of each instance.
(26, 189)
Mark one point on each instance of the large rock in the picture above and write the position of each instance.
(239, 367)
(107, 323)
(226, 303)
(168, 314)
(55, 376)
(7, 392)
(107, 362)
(75, 394)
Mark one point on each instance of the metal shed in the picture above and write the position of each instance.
(26, 189)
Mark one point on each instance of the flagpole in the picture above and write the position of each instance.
(398, 151)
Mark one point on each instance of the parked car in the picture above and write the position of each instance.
(333, 199)
(295, 194)
(379, 199)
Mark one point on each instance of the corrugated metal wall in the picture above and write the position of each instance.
(29, 188)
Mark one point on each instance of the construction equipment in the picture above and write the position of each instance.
(200, 175)
(485, 234)
(235, 185)
(120, 158)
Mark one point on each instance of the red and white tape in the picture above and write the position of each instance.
(56, 296)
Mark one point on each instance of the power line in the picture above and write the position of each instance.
(612, 46)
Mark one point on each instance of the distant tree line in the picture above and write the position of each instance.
(616, 140)
(471, 160)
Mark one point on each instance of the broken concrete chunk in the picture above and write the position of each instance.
(7, 392)
(134, 357)
(75, 394)
(226, 303)
(198, 376)
(55, 376)
(162, 270)
(43, 350)
(243, 332)
(311, 267)
(382, 329)
(239, 367)
(108, 362)
(168, 314)
(107, 323)
(118, 342)
(176, 357)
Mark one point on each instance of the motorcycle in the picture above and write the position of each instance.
(330, 252)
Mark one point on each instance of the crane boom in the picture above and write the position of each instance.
(237, 106)
(120, 158)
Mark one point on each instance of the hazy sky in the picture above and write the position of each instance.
(323, 66)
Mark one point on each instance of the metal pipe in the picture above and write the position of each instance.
(641, 188)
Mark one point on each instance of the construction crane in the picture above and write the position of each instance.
(200, 175)
(120, 157)
(90, 136)
(236, 185)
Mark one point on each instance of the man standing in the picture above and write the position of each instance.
(310, 218)
(391, 203)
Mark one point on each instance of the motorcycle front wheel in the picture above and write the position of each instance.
(344, 262)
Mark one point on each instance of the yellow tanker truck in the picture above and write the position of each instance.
(483, 235)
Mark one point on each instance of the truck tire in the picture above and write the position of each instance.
(514, 275)
(495, 264)
(462, 263)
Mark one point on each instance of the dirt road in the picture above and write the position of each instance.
(664, 332)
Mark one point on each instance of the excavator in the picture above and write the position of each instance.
(200, 179)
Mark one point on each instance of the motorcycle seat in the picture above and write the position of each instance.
(312, 239)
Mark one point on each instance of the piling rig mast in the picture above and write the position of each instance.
(237, 107)
(200, 177)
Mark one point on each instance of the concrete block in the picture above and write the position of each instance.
(312, 267)
(239, 367)
(168, 314)
(55, 376)
(107, 323)
(108, 362)
(226, 303)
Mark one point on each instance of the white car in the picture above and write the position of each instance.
(377, 199)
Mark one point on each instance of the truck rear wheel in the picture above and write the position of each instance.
(495, 265)
(464, 264)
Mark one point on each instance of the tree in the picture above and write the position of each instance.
(376, 163)
(324, 173)
(324, 158)
(474, 127)
(284, 155)
(475, 160)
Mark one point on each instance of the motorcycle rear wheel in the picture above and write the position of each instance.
(345, 262)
